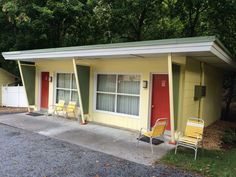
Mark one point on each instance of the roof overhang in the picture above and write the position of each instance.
(207, 49)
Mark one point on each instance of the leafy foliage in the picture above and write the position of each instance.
(229, 136)
(31, 24)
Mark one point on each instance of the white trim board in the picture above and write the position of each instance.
(206, 46)
(160, 49)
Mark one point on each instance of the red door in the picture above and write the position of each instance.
(44, 89)
(160, 98)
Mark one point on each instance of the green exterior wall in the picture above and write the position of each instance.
(176, 81)
(84, 76)
(29, 80)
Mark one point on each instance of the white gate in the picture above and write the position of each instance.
(14, 96)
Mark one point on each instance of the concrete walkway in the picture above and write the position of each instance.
(116, 142)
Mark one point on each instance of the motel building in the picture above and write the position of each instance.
(130, 85)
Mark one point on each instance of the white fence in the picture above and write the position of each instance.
(14, 96)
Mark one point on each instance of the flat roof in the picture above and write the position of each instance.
(186, 46)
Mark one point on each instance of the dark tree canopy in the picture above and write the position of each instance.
(31, 24)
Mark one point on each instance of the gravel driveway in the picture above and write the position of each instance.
(27, 154)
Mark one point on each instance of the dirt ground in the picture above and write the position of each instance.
(213, 134)
(12, 109)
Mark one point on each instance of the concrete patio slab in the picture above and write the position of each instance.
(113, 141)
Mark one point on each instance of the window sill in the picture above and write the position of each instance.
(117, 114)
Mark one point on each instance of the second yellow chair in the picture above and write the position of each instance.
(157, 131)
(70, 109)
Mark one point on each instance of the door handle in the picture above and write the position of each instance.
(152, 106)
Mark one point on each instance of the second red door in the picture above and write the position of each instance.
(160, 99)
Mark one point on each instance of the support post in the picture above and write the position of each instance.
(78, 90)
(171, 100)
(23, 83)
(202, 82)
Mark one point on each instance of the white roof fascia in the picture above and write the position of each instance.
(158, 49)
(216, 50)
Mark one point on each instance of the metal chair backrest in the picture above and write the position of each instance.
(60, 104)
(159, 128)
(194, 127)
(71, 106)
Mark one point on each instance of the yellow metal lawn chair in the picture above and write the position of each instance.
(58, 107)
(193, 135)
(157, 131)
(71, 109)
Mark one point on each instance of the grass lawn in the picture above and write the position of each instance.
(216, 163)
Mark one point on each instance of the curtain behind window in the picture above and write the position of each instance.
(63, 95)
(129, 84)
(106, 83)
(105, 102)
(66, 88)
(128, 105)
(63, 80)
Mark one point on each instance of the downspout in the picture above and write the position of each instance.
(202, 81)
(23, 83)
(171, 100)
(78, 90)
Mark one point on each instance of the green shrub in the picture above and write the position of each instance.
(229, 136)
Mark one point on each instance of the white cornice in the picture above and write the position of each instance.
(216, 50)
(159, 49)
(185, 48)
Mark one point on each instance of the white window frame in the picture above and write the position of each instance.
(116, 94)
(65, 89)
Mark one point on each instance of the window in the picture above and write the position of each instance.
(66, 88)
(118, 93)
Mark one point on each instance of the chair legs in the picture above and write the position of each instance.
(54, 113)
(195, 148)
(195, 157)
(74, 114)
(150, 141)
(176, 146)
(202, 142)
(67, 114)
(163, 137)
(139, 139)
(151, 144)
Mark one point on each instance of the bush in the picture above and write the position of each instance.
(229, 136)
